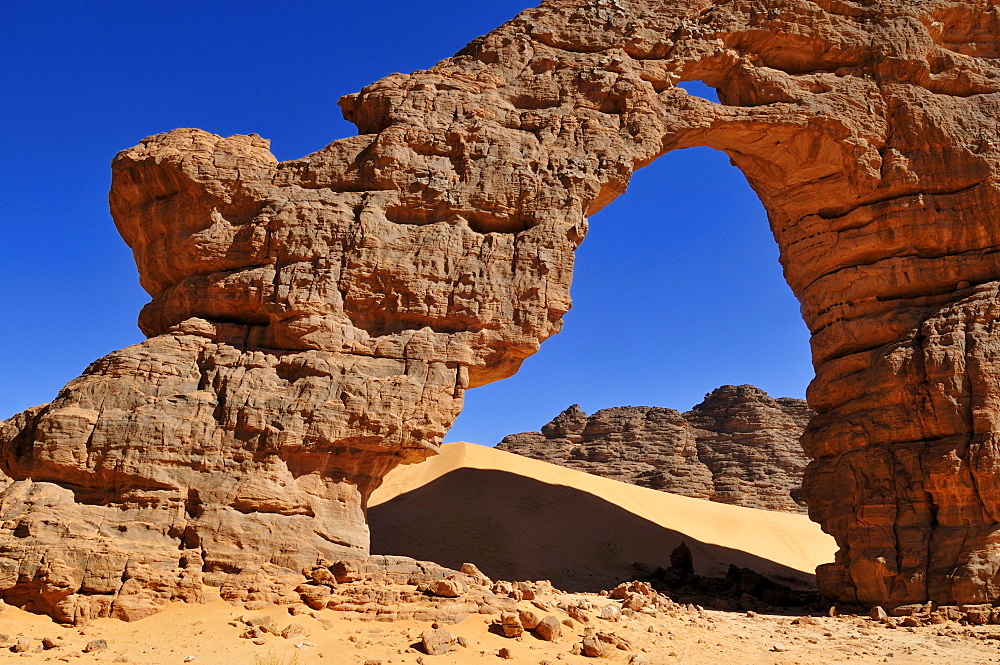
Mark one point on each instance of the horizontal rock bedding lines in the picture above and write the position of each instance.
(738, 446)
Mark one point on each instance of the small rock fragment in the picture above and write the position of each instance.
(527, 591)
(610, 612)
(911, 609)
(528, 619)
(879, 614)
(315, 596)
(322, 575)
(95, 645)
(614, 640)
(264, 623)
(510, 624)
(592, 647)
(294, 630)
(472, 570)
(549, 629)
(447, 588)
(436, 641)
(634, 601)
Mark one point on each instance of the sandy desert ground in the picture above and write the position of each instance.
(205, 634)
(566, 525)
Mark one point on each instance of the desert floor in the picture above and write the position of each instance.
(210, 633)
(521, 519)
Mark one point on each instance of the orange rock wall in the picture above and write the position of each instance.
(315, 322)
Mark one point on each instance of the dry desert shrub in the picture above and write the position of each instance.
(273, 659)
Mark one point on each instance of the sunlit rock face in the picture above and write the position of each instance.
(739, 446)
(315, 322)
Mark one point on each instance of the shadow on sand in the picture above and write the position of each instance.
(518, 528)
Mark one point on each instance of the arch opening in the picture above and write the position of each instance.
(677, 290)
(700, 89)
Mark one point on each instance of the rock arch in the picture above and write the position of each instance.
(315, 322)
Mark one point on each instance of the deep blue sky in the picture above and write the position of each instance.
(677, 288)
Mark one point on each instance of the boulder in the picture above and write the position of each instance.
(529, 619)
(436, 641)
(549, 628)
(294, 631)
(447, 588)
(510, 624)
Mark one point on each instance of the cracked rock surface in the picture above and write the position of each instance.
(315, 322)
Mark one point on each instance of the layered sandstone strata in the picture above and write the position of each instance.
(315, 322)
(739, 446)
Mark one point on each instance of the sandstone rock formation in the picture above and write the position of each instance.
(315, 322)
(738, 446)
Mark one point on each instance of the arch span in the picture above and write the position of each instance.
(315, 322)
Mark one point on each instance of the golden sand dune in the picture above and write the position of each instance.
(518, 518)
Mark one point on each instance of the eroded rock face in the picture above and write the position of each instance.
(739, 446)
(315, 322)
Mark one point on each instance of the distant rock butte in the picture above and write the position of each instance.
(739, 446)
(316, 322)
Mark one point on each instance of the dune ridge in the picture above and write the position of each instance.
(581, 529)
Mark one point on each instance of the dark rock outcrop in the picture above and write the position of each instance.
(739, 446)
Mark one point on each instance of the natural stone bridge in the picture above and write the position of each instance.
(316, 322)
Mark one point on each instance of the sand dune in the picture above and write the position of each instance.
(519, 518)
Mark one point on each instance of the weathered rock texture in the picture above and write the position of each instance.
(315, 322)
(378, 588)
(738, 446)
